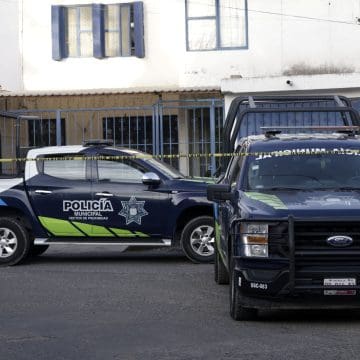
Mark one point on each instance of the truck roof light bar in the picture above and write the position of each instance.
(320, 128)
(272, 131)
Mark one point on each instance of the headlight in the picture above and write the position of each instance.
(254, 237)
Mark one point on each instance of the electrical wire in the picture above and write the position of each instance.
(303, 17)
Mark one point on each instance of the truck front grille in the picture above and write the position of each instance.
(311, 258)
(312, 249)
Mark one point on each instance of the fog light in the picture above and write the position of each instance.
(256, 250)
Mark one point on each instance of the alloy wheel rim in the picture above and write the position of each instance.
(8, 243)
(202, 240)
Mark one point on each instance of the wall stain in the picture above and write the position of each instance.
(303, 69)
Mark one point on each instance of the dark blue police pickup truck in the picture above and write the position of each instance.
(99, 194)
(288, 206)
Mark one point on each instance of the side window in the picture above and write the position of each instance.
(63, 167)
(119, 171)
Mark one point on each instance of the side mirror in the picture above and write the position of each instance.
(151, 178)
(219, 192)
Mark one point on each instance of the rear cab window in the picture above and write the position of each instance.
(64, 166)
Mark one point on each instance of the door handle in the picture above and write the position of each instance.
(105, 194)
(44, 192)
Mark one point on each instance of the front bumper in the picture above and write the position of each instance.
(302, 277)
(276, 293)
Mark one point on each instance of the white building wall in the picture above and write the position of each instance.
(278, 43)
(285, 36)
(10, 64)
(164, 44)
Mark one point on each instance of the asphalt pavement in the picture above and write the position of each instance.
(86, 303)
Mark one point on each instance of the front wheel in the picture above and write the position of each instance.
(14, 241)
(198, 239)
(221, 274)
(237, 310)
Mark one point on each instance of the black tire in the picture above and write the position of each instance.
(220, 271)
(37, 250)
(18, 246)
(237, 311)
(189, 240)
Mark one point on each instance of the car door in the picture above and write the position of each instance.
(226, 208)
(60, 192)
(133, 209)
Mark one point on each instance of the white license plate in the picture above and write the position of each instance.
(340, 292)
(340, 282)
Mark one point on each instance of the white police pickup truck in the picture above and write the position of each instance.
(99, 194)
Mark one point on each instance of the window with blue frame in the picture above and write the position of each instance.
(79, 36)
(119, 30)
(216, 24)
(98, 30)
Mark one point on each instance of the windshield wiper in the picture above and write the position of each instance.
(296, 175)
(280, 188)
(345, 188)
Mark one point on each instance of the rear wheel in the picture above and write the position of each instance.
(14, 241)
(237, 311)
(220, 271)
(198, 239)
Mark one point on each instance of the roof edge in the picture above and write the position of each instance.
(80, 92)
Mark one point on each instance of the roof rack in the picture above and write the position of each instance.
(98, 142)
(319, 128)
(296, 104)
(272, 131)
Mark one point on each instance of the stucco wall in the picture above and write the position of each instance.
(10, 65)
(311, 36)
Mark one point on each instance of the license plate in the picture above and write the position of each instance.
(340, 292)
(340, 282)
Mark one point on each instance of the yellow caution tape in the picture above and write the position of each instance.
(277, 153)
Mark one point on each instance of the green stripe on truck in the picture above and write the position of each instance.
(59, 227)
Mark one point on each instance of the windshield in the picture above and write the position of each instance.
(165, 168)
(305, 172)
